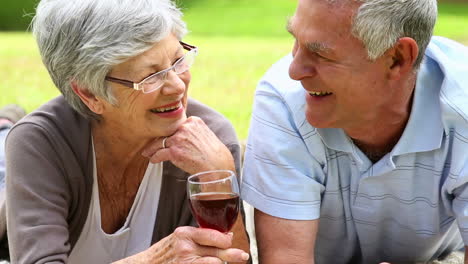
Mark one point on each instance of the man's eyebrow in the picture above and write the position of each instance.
(318, 47)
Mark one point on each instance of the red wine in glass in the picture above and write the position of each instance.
(215, 210)
(214, 199)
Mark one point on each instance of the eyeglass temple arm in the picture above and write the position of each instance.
(123, 82)
(187, 46)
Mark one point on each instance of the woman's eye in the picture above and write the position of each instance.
(176, 60)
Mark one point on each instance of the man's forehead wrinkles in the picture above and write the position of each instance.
(314, 46)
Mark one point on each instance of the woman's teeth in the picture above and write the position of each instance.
(165, 109)
(320, 93)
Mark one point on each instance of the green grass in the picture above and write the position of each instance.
(259, 18)
(453, 21)
(235, 51)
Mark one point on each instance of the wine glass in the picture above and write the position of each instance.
(214, 199)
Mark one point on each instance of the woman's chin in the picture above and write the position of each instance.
(171, 127)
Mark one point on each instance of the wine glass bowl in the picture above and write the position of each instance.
(214, 199)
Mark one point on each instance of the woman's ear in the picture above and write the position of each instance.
(403, 55)
(94, 103)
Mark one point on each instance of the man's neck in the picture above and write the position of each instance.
(378, 137)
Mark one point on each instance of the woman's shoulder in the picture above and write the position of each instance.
(55, 117)
(197, 108)
(56, 128)
(54, 112)
(218, 123)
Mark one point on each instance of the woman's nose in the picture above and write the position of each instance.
(174, 84)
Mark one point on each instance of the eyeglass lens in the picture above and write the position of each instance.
(156, 81)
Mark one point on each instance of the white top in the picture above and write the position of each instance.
(96, 246)
(410, 206)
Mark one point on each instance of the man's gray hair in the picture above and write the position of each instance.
(82, 40)
(380, 23)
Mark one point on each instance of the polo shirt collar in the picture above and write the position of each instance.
(424, 130)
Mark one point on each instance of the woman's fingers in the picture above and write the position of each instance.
(207, 260)
(160, 156)
(216, 244)
(197, 245)
(193, 148)
(233, 255)
(229, 255)
(154, 146)
(205, 237)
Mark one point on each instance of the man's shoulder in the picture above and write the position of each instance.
(452, 60)
(447, 51)
(277, 77)
(277, 85)
(279, 70)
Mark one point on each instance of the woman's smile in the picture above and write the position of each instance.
(172, 110)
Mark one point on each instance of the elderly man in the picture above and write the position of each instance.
(360, 153)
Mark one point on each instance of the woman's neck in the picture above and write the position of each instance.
(116, 154)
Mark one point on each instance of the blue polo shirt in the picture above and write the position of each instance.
(411, 206)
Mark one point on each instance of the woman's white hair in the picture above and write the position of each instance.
(380, 23)
(82, 40)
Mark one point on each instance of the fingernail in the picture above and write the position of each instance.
(245, 256)
(231, 234)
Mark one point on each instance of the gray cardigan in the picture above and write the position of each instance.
(49, 181)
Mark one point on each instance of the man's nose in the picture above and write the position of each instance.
(301, 67)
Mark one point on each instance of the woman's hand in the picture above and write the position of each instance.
(190, 245)
(193, 148)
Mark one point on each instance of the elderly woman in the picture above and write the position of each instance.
(98, 175)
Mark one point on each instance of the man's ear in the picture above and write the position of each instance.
(402, 57)
(94, 103)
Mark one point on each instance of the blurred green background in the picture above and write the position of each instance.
(238, 41)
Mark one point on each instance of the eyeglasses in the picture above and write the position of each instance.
(156, 80)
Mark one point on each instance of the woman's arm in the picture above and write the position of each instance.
(37, 198)
(195, 148)
(190, 245)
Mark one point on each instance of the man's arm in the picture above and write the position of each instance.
(283, 241)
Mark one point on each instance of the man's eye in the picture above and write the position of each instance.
(321, 57)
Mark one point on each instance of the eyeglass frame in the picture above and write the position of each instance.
(136, 86)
